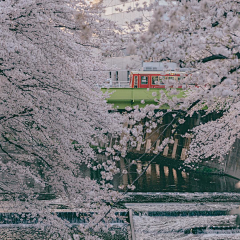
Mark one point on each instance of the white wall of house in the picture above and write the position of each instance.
(120, 65)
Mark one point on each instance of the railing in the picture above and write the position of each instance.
(116, 84)
(120, 84)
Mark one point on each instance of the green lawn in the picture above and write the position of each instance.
(123, 97)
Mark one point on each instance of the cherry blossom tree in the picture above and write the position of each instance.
(204, 37)
(51, 108)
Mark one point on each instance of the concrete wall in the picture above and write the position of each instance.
(232, 164)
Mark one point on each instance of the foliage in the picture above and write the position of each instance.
(204, 38)
(51, 109)
(52, 112)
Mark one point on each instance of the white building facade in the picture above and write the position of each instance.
(121, 64)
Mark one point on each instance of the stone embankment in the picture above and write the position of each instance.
(232, 161)
(178, 149)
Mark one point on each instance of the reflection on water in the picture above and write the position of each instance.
(165, 178)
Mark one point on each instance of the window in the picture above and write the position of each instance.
(144, 80)
(135, 81)
(161, 79)
(155, 80)
(110, 74)
(116, 75)
(128, 76)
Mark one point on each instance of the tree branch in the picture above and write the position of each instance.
(213, 57)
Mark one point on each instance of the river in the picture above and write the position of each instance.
(172, 203)
(162, 177)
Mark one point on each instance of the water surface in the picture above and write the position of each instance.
(161, 177)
